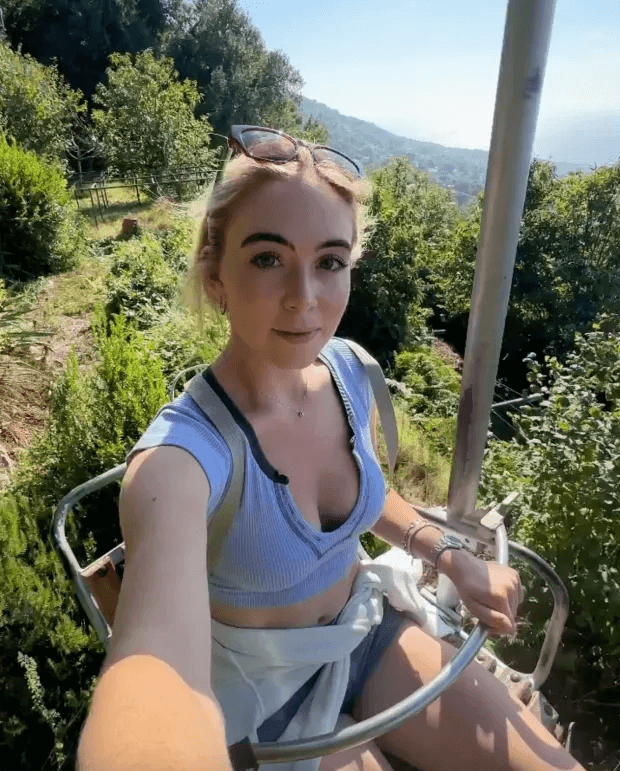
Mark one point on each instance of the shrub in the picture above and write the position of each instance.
(383, 312)
(41, 233)
(145, 271)
(179, 344)
(423, 466)
(176, 243)
(434, 386)
(142, 284)
(414, 221)
(50, 655)
(568, 473)
(48, 661)
(95, 416)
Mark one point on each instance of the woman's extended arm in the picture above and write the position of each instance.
(153, 707)
(144, 716)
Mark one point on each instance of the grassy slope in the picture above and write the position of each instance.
(60, 305)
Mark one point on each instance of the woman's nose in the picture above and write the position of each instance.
(301, 289)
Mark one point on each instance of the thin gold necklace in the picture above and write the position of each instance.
(299, 412)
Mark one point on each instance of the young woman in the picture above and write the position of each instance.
(277, 246)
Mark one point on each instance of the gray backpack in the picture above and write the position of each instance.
(210, 403)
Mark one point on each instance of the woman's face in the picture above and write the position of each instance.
(286, 267)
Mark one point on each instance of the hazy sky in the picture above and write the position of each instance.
(428, 69)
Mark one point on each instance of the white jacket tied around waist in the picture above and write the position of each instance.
(256, 671)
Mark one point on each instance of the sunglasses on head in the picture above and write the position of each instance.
(265, 144)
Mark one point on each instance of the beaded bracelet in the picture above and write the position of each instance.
(417, 525)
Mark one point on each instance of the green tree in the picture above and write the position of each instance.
(81, 34)
(285, 116)
(147, 118)
(214, 43)
(414, 222)
(567, 264)
(37, 108)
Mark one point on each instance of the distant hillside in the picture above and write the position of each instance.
(464, 171)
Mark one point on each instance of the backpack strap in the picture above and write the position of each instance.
(382, 398)
(222, 519)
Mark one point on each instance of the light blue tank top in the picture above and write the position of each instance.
(272, 556)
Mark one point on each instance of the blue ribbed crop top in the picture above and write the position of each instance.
(272, 556)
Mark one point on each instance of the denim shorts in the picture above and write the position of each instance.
(363, 661)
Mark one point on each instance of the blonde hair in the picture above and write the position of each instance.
(245, 176)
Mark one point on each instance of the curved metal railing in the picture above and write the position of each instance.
(393, 716)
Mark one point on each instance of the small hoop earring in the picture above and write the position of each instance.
(222, 307)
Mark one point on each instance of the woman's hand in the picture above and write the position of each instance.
(490, 592)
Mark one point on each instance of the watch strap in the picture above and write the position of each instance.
(446, 541)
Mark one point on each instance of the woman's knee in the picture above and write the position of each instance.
(364, 757)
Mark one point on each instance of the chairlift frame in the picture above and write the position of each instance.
(527, 35)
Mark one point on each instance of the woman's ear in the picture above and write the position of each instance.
(210, 275)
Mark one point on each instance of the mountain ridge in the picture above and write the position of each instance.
(462, 170)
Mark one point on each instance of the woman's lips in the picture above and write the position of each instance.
(295, 337)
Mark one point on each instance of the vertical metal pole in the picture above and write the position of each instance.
(527, 35)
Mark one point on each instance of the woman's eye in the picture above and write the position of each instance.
(336, 263)
(330, 262)
(263, 260)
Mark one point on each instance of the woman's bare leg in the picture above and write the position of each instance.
(366, 757)
(475, 724)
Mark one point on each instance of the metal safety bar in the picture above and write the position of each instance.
(472, 533)
(273, 751)
(68, 558)
(491, 532)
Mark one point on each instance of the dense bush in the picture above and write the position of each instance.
(41, 232)
(180, 344)
(434, 386)
(142, 284)
(567, 265)
(47, 656)
(176, 243)
(50, 655)
(568, 473)
(145, 271)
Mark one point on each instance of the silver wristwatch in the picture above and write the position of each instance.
(447, 541)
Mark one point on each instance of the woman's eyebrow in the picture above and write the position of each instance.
(278, 239)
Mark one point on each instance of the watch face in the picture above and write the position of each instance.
(453, 541)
